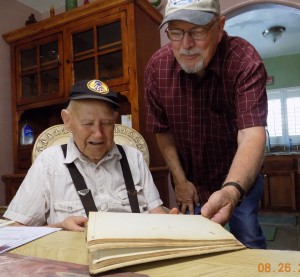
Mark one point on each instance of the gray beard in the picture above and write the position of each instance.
(192, 69)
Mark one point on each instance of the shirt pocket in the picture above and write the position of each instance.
(123, 200)
(64, 209)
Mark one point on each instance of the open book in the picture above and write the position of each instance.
(116, 240)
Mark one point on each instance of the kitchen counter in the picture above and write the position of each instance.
(282, 153)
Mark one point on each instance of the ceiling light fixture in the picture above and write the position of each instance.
(274, 33)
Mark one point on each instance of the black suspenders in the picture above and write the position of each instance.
(86, 195)
(131, 191)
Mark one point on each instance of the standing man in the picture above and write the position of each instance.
(206, 101)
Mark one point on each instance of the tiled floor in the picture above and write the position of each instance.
(287, 230)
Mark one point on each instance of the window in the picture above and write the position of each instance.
(284, 116)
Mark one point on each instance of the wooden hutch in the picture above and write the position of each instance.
(107, 40)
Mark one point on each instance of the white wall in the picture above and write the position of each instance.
(12, 16)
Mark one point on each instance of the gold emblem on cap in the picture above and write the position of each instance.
(98, 86)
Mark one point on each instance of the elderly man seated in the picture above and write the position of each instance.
(48, 195)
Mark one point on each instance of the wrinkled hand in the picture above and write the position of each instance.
(174, 211)
(74, 223)
(220, 205)
(164, 210)
(186, 196)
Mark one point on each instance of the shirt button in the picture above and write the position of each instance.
(69, 208)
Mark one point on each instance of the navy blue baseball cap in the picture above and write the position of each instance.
(94, 89)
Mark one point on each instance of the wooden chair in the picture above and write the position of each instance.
(57, 135)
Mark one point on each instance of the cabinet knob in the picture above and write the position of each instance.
(68, 61)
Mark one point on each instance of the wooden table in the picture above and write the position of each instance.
(70, 247)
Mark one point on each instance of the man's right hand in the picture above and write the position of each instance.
(186, 193)
(186, 196)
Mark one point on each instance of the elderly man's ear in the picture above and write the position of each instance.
(115, 116)
(65, 115)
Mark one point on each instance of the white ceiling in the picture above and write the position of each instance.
(251, 22)
(248, 23)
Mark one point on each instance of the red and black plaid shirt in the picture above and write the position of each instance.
(205, 114)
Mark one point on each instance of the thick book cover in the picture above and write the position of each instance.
(116, 240)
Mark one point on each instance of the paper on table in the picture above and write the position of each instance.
(12, 237)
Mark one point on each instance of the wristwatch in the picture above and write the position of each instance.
(239, 188)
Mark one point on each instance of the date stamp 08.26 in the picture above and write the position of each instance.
(279, 267)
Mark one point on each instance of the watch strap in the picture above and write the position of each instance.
(239, 188)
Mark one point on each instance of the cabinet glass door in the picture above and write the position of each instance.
(110, 62)
(49, 69)
(98, 51)
(83, 55)
(40, 70)
(29, 73)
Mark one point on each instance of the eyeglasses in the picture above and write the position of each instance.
(196, 33)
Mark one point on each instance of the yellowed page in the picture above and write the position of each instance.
(120, 239)
(118, 259)
(114, 227)
(118, 255)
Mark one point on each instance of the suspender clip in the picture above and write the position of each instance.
(132, 192)
(83, 192)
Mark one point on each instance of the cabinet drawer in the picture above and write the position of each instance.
(281, 163)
